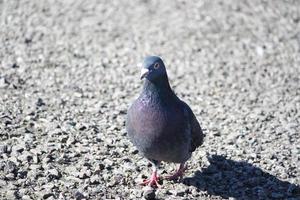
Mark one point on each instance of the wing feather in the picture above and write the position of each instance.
(196, 131)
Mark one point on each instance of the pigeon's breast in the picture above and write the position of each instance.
(147, 118)
(158, 130)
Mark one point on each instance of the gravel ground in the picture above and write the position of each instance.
(68, 74)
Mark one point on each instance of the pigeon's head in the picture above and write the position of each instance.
(153, 68)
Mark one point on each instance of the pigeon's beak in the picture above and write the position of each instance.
(144, 72)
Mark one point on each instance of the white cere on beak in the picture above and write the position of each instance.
(144, 72)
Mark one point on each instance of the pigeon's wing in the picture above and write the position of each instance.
(196, 131)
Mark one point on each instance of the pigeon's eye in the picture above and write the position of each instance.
(156, 65)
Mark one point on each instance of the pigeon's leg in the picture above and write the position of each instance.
(179, 173)
(153, 181)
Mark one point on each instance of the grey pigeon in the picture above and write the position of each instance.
(159, 124)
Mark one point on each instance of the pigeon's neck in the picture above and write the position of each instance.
(157, 88)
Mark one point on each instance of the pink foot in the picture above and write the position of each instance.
(152, 182)
(178, 174)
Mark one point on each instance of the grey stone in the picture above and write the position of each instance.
(149, 193)
(11, 194)
(94, 179)
(54, 174)
(10, 167)
(40, 102)
(78, 195)
(3, 148)
(47, 195)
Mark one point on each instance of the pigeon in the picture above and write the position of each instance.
(160, 125)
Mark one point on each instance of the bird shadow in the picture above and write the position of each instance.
(240, 180)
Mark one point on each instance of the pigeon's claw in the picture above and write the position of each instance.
(178, 174)
(152, 182)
